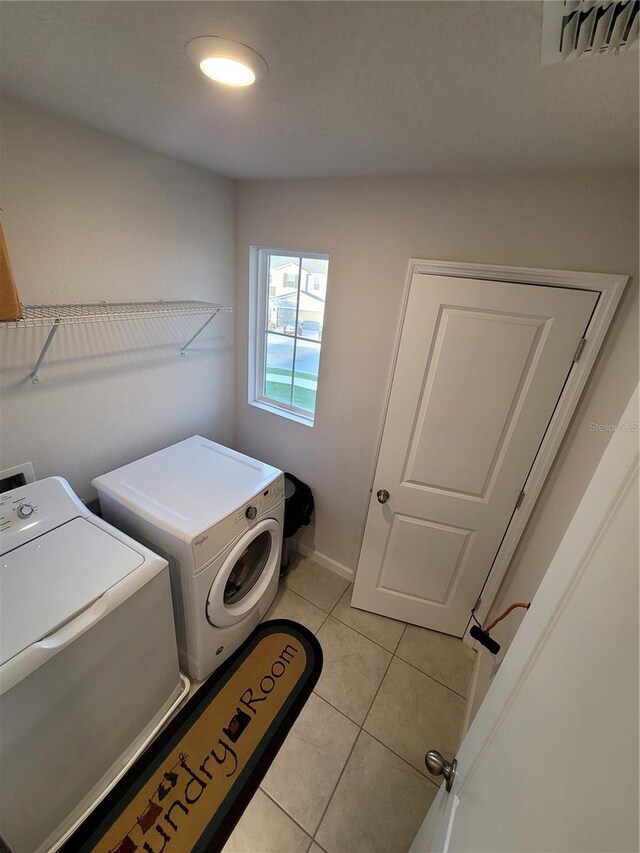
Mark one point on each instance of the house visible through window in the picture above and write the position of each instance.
(288, 298)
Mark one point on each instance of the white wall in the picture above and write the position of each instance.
(89, 217)
(370, 228)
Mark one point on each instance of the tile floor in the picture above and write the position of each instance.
(350, 778)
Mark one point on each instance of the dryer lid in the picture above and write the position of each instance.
(46, 582)
(189, 486)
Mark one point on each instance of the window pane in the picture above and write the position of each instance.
(283, 294)
(305, 381)
(282, 313)
(278, 368)
(313, 291)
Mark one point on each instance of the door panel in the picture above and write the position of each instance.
(403, 570)
(462, 418)
(480, 367)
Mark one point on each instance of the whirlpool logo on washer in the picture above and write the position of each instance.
(201, 539)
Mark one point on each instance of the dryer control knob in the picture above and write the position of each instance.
(251, 512)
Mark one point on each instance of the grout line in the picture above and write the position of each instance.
(321, 624)
(362, 725)
(433, 678)
(404, 760)
(285, 812)
(361, 728)
(375, 695)
(337, 618)
(335, 787)
(341, 597)
(342, 713)
(404, 631)
(357, 738)
(355, 630)
(308, 600)
(375, 642)
(394, 652)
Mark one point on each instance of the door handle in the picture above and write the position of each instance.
(383, 496)
(437, 765)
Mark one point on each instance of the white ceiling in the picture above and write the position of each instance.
(354, 88)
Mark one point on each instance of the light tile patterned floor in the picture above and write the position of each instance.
(350, 778)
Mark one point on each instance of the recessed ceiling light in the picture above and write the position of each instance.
(226, 61)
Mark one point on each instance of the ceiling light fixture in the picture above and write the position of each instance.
(226, 61)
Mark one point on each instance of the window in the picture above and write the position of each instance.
(287, 320)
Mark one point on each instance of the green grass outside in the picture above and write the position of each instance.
(304, 398)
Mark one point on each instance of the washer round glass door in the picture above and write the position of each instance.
(245, 574)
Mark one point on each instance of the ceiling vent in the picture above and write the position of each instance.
(575, 28)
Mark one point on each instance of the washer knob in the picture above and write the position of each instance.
(251, 512)
(25, 510)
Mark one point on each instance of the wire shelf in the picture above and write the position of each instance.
(104, 312)
(54, 316)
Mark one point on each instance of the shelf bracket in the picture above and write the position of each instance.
(183, 350)
(52, 331)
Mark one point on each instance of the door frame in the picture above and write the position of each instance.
(610, 288)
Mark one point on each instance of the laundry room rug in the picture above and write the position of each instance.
(190, 787)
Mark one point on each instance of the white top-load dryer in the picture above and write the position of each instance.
(88, 660)
(216, 515)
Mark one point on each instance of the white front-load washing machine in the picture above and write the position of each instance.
(216, 516)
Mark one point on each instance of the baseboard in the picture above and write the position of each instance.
(323, 560)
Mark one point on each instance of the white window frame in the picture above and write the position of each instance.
(258, 302)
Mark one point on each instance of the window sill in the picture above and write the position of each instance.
(283, 413)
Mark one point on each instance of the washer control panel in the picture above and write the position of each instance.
(260, 505)
(207, 544)
(34, 509)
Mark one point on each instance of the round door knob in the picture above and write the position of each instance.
(25, 510)
(251, 512)
(437, 765)
(383, 496)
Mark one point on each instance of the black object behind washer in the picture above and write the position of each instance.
(298, 505)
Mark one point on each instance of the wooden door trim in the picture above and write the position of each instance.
(610, 288)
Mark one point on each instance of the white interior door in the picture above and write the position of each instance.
(479, 370)
(550, 763)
